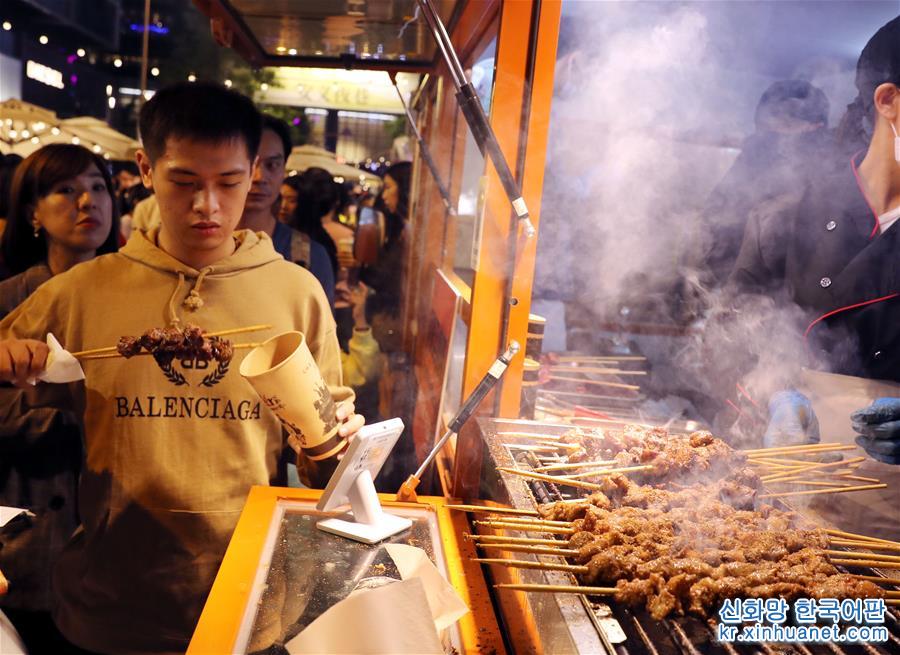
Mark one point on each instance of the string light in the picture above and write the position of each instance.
(117, 62)
(154, 71)
(192, 78)
(109, 89)
(43, 39)
(264, 86)
(292, 51)
(54, 131)
(96, 148)
(80, 52)
(228, 84)
(7, 26)
(280, 48)
(76, 140)
(111, 101)
(35, 140)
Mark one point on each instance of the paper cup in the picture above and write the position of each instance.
(284, 374)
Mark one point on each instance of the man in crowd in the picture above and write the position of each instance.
(260, 209)
(172, 446)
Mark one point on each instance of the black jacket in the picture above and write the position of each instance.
(826, 255)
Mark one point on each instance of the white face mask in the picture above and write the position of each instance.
(896, 144)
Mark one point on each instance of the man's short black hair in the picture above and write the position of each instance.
(282, 130)
(201, 111)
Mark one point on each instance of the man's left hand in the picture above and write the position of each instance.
(879, 428)
(350, 421)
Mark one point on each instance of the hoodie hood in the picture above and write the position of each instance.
(253, 249)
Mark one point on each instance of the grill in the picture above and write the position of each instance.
(570, 623)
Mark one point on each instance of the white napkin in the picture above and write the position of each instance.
(446, 606)
(7, 514)
(61, 365)
(390, 619)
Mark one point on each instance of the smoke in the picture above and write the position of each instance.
(651, 110)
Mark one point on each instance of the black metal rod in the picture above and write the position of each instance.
(424, 151)
(488, 382)
(477, 120)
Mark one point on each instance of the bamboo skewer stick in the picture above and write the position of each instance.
(593, 370)
(534, 449)
(559, 589)
(551, 478)
(871, 545)
(528, 520)
(867, 562)
(876, 578)
(601, 358)
(849, 554)
(528, 564)
(814, 466)
(534, 550)
(806, 448)
(616, 385)
(503, 539)
(810, 492)
(144, 353)
(861, 478)
(220, 333)
(813, 483)
(893, 602)
(493, 510)
(525, 527)
(534, 436)
(591, 474)
(858, 537)
(574, 465)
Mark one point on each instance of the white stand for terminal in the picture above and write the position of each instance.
(352, 483)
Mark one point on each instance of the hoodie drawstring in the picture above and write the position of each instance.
(193, 301)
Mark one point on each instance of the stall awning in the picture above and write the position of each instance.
(370, 34)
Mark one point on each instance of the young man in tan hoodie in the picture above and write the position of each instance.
(171, 450)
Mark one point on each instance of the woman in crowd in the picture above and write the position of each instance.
(316, 200)
(62, 213)
(381, 247)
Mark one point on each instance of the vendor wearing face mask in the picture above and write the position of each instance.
(836, 256)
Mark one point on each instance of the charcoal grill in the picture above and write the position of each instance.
(570, 623)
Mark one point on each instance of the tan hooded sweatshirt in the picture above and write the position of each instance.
(171, 454)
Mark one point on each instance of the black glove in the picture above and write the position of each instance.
(879, 429)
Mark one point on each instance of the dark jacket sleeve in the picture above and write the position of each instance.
(760, 263)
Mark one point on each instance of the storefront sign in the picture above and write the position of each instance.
(329, 88)
(44, 74)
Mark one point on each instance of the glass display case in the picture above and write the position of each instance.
(280, 573)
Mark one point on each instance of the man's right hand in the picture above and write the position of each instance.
(22, 360)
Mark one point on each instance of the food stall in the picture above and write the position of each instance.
(469, 293)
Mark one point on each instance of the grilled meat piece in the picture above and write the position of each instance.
(129, 346)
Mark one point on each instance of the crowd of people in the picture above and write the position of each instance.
(128, 515)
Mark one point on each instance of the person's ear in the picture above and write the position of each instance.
(887, 100)
(145, 167)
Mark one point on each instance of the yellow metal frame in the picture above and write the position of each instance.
(527, 32)
(219, 623)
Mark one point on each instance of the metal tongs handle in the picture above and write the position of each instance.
(424, 150)
(489, 381)
(473, 112)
